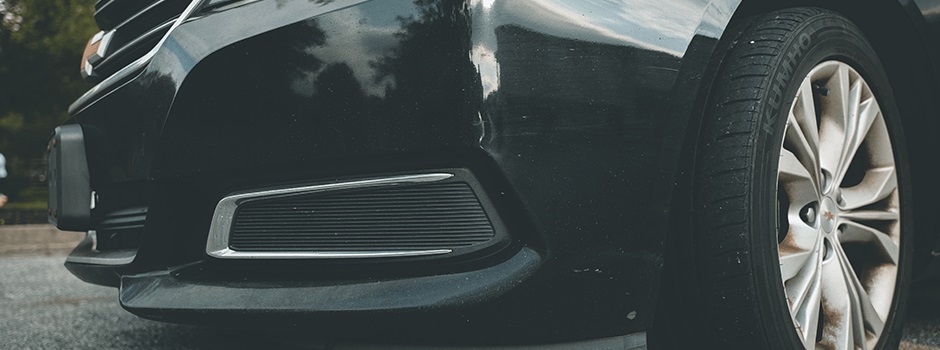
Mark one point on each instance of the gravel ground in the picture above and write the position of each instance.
(42, 306)
(922, 328)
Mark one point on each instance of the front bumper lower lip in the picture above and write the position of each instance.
(167, 294)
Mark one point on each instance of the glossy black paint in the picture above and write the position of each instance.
(928, 22)
(576, 116)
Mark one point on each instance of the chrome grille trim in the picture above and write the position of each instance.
(217, 244)
(138, 40)
(137, 65)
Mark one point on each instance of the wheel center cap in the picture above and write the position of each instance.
(827, 214)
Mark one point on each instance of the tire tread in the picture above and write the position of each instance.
(726, 158)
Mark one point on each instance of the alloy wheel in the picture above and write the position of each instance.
(839, 215)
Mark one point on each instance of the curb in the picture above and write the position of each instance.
(36, 239)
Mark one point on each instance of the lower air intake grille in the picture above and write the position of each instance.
(397, 218)
(120, 229)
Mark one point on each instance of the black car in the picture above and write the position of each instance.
(608, 174)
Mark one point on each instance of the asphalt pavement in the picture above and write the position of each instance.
(42, 306)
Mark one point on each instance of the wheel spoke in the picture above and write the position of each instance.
(855, 134)
(846, 124)
(796, 180)
(832, 121)
(864, 316)
(840, 92)
(791, 169)
(804, 290)
(792, 263)
(857, 233)
(806, 308)
(803, 152)
(804, 113)
(801, 238)
(870, 215)
(802, 135)
(808, 314)
(877, 184)
(852, 126)
(837, 331)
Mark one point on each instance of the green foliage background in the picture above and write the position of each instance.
(41, 44)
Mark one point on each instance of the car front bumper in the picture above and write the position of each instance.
(580, 163)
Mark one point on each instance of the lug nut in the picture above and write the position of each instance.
(809, 215)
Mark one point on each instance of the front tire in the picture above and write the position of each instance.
(801, 205)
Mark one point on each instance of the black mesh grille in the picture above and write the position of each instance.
(109, 13)
(425, 217)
